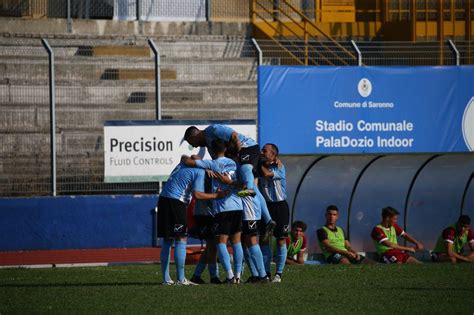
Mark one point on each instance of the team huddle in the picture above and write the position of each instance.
(240, 196)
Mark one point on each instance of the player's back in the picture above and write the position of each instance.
(181, 182)
(227, 166)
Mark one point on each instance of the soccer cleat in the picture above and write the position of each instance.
(264, 280)
(169, 282)
(197, 280)
(276, 279)
(215, 280)
(229, 281)
(185, 282)
(252, 279)
(268, 230)
(246, 193)
(237, 281)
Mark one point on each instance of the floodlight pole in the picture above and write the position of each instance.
(52, 114)
(156, 52)
(456, 51)
(260, 54)
(359, 54)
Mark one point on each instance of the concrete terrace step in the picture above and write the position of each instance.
(31, 118)
(79, 69)
(100, 94)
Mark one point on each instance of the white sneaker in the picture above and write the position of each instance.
(276, 279)
(169, 282)
(185, 282)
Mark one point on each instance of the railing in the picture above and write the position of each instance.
(282, 11)
(99, 80)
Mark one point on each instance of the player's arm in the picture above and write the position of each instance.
(188, 161)
(226, 179)
(396, 246)
(209, 196)
(334, 250)
(300, 257)
(408, 237)
(348, 246)
(452, 253)
(266, 172)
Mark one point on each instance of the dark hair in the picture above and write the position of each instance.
(299, 224)
(389, 212)
(274, 147)
(464, 220)
(190, 132)
(332, 208)
(218, 146)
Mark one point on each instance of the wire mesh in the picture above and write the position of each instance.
(229, 10)
(24, 123)
(108, 80)
(374, 53)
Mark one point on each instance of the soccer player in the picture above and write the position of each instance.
(450, 244)
(272, 184)
(385, 235)
(171, 216)
(296, 244)
(247, 151)
(333, 243)
(228, 218)
(202, 229)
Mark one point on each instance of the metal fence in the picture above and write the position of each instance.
(99, 80)
(103, 80)
(372, 53)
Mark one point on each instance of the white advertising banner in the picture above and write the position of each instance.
(141, 151)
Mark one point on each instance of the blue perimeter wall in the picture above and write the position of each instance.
(77, 222)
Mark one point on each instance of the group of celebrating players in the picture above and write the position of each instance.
(240, 196)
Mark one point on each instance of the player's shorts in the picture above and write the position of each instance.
(280, 213)
(171, 218)
(227, 223)
(202, 228)
(395, 256)
(336, 259)
(250, 155)
(250, 227)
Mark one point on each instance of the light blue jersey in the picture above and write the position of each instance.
(182, 182)
(223, 165)
(222, 132)
(274, 188)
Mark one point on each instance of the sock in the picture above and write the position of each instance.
(238, 258)
(180, 259)
(213, 270)
(263, 204)
(165, 259)
(200, 267)
(267, 257)
(246, 172)
(224, 258)
(257, 258)
(280, 258)
(250, 263)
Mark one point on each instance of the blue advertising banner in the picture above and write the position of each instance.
(314, 110)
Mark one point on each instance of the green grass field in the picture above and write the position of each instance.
(433, 288)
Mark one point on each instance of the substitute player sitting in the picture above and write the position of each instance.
(296, 244)
(451, 242)
(333, 243)
(385, 236)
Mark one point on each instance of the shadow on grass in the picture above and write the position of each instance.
(426, 289)
(52, 285)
